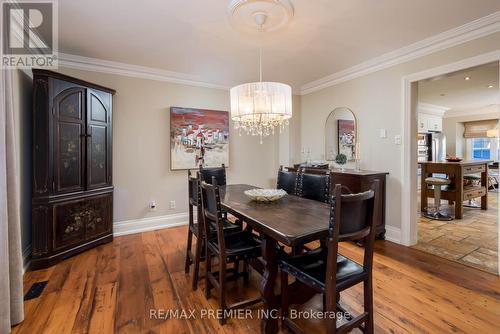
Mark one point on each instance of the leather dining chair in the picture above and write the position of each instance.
(196, 229)
(287, 181)
(242, 246)
(352, 217)
(315, 186)
(218, 172)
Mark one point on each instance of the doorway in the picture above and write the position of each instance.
(437, 236)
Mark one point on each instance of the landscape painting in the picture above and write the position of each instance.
(198, 137)
(347, 138)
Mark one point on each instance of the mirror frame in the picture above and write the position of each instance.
(355, 129)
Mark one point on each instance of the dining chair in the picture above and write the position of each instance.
(352, 217)
(287, 181)
(218, 172)
(227, 248)
(315, 186)
(196, 229)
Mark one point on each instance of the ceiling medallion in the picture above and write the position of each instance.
(258, 108)
(278, 14)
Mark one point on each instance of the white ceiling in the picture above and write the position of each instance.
(452, 91)
(194, 37)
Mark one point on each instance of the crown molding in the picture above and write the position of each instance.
(476, 29)
(129, 70)
(431, 109)
(488, 110)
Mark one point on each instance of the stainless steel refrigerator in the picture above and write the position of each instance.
(438, 146)
(431, 146)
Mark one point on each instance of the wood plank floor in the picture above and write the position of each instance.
(112, 288)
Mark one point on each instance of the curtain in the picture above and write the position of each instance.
(11, 263)
(479, 129)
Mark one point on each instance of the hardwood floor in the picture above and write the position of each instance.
(472, 240)
(113, 288)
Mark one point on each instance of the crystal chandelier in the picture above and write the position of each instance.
(258, 108)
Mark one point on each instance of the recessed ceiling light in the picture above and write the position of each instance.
(490, 86)
(467, 78)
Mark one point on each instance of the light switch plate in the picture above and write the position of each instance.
(397, 139)
(383, 133)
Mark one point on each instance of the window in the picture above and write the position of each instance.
(481, 148)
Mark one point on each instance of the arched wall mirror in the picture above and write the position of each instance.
(341, 134)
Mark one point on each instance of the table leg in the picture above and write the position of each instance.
(269, 322)
(485, 183)
(423, 188)
(459, 194)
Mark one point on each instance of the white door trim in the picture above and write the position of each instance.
(409, 154)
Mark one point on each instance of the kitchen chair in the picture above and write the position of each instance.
(287, 181)
(493, 177)
(435, 213)
(472, 180)
(228, 248)
(194, 201)
(352, 217)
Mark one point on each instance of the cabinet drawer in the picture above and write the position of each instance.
(81, 220)
(474, 193)
(473, 169)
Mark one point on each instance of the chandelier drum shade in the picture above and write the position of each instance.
(257, 108)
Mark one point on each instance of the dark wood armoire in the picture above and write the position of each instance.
(72, 198)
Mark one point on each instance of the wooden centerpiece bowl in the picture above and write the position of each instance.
(265, 195)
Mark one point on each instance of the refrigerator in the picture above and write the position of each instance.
(438, 146)
(431, 146)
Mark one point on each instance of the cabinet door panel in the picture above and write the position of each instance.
(98, 112)
(99, 141)
(97, 155)
(69, 154)
(99, 217)
(69, 140)
(68, 224)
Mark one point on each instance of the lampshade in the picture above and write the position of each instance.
(259, 107)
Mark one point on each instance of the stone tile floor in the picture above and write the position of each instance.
(472, 240)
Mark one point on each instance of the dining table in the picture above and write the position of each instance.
(291, 221)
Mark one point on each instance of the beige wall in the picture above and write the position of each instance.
(141, 146)
(376, 100)
(289, 138)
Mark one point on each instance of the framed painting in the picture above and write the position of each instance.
(347, 138)
(198, 136)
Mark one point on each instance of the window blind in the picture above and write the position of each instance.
(479, 129)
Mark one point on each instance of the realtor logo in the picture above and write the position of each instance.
(29, 34)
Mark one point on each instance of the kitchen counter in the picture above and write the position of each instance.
(456, 192)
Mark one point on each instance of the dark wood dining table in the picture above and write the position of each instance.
(291, 221)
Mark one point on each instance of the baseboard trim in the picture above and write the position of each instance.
(393, 234)
(149, 224)
(26, 258)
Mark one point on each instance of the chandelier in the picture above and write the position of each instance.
(258, 108)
